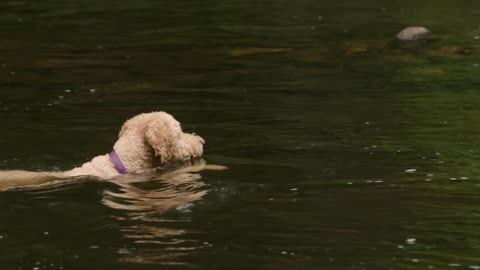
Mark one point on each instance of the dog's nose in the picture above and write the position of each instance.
(200, 139)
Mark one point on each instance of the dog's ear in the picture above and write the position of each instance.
(162, 137)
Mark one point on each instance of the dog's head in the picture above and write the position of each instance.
(161, 132)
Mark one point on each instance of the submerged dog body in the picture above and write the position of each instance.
(145, 141)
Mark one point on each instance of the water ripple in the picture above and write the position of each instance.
(153, 213)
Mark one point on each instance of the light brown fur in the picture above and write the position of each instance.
(144, 142)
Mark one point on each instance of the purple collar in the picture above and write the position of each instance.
(117, 163)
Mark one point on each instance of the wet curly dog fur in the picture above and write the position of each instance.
(145, 141)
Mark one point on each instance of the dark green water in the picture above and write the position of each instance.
(316, 115)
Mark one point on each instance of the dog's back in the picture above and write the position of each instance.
(9, 179)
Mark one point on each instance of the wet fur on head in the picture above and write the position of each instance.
(165, 136)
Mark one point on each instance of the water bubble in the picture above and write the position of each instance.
(92, 90)
(414, 260)
(320, 18)
(122, 251)
(464, 178)
(474, 267)
(454, 265)
(45, 233)
(410, 170)
(411, 241)
(284, 253)
(67, 90)
(293, 189)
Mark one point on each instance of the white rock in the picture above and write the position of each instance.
(412, 33)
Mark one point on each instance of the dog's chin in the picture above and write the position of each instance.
(158, 162)
(174, 165)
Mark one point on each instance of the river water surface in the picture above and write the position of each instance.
(345, 150)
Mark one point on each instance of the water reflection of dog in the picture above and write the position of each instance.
(140, 203)
(176, 186)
